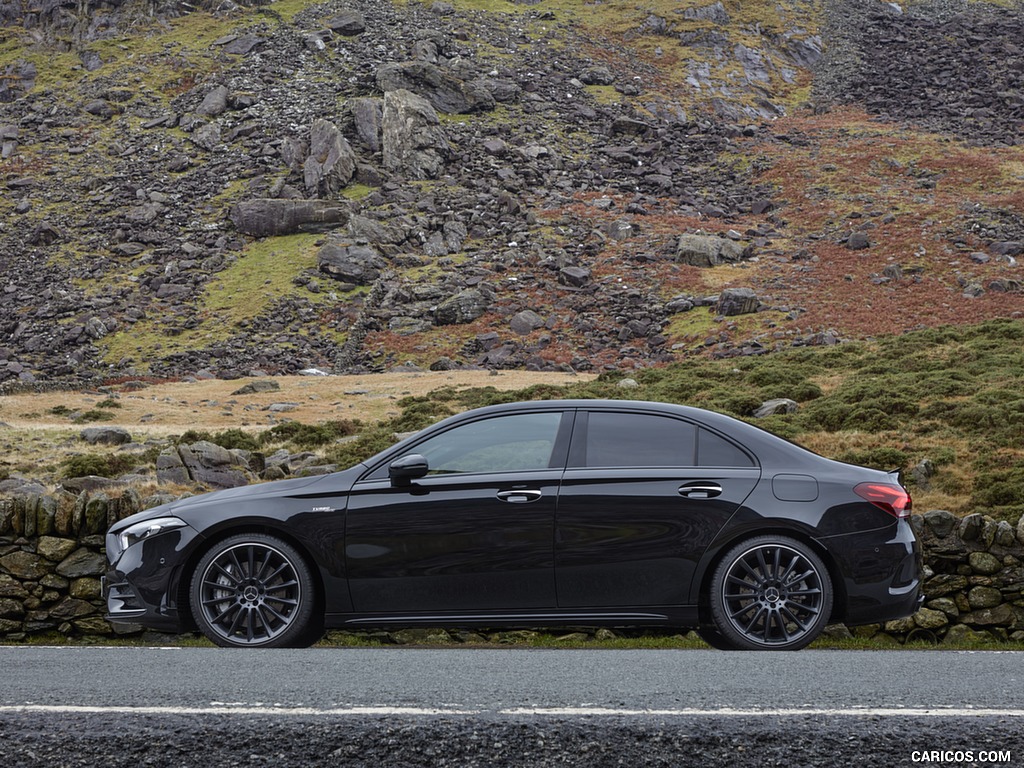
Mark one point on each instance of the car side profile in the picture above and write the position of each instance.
(534, 514)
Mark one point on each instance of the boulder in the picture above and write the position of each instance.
(444, 91)
(737, 301)
(106, 435)
(574, 276)
(358, 264)
(212, 465)
(331, 163)
(367, 114)
(526, 322)
(464, 307)
(413, 142)
(707, 250)
(215, 102)
(268, 217)
(347, 22)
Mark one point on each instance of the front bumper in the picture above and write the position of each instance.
(142, 586)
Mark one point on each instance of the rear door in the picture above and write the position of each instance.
(643, 495)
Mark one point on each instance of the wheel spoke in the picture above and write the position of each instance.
(227, 573)
(793, 617)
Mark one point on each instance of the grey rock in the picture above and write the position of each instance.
(215, 102)
(413, 142)
(82, 562)
(574, 276)
(348, 22)
(941, 522)
(106, 435)
(267, 217)
(170, 468)
(464, 307)
(212, 465)
(597, 76)
(526, 322)
(359, 264)
(253, 387)
(55, 549)
(243, 44)
(707, 250)
(367, 115)
(858, 241)
(445, 92)
(207, 137)
(24, 565)
(100, 108)
(984, 563)
(737, 301)
(331, 163)
(715, 13)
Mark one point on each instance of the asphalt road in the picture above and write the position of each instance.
(402, 707)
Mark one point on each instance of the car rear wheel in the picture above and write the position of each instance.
(254, 591)
(770, 593)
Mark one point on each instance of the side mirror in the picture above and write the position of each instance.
(406, 469)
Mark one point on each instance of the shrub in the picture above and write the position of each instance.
(308, 436)
(101, 464)
(93, 415)
(369, 443)
(230, 438)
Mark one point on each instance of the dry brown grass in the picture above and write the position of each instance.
(36, 442)
(163, 409)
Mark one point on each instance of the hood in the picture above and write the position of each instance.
(274, 488)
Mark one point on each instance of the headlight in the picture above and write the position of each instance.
(145, 529)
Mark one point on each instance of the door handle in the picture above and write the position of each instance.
(700, 490)
(519, 496)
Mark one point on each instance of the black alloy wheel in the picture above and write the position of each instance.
(254, 591)
(770, 593)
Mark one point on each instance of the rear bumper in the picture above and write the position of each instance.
(882, 574)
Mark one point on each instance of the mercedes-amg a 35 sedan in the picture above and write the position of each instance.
(556, 513)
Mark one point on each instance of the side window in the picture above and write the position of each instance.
(638, 440)
(715, 451)
(500, 444)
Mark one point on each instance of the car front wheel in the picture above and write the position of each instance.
(254, 591)
(770, 593)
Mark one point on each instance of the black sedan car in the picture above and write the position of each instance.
(556, 513)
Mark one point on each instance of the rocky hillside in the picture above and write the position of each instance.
(551, 184)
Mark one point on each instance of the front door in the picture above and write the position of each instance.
(475, 534)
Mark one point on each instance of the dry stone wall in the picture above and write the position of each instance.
(52, 558)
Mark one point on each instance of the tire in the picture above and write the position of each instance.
(770, 593)
(255, 591)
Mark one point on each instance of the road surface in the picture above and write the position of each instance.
(97, 706)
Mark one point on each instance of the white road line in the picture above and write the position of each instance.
(277, 711)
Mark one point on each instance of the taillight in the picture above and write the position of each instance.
(892, 498)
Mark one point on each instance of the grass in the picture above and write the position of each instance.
(568, 640)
